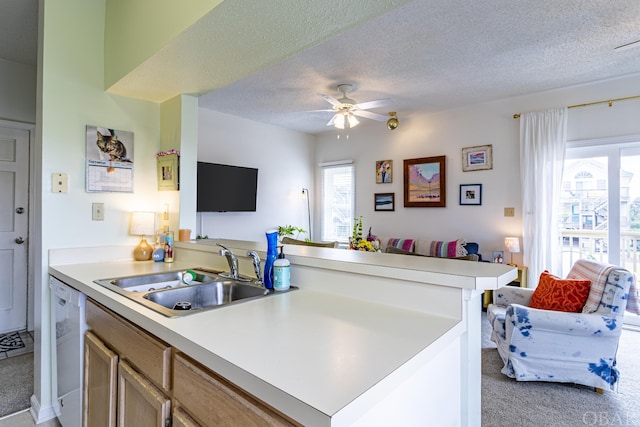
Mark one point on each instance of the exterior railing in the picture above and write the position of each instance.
(592, 244)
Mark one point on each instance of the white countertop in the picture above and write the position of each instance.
(309, 352)
(304, 347)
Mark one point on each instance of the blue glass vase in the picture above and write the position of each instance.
(272, 255)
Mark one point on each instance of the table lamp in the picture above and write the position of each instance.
(513, 246)
(143, 224)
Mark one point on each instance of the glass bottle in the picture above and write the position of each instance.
(168, 246)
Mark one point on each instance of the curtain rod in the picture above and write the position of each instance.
(610, 102)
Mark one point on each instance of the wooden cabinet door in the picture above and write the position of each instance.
(140, 403)
(182, 419)
(213, 401)
(100, 382)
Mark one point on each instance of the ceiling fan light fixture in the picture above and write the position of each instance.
(353, 122)
(339, 121)
(393, 122)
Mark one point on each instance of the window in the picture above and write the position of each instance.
(338, 196)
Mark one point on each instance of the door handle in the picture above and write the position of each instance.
(19, 211)
(19, 240)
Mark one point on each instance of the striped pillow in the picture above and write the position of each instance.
(406, 245)
(441, 249)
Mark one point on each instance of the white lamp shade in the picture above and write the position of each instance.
(512, 244)
(143, 223)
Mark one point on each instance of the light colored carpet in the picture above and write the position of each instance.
(510, 403)
(16, 383)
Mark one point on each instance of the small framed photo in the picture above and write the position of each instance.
(168, 172)
(384, 201)
(498, 257)
(477, 158)
(471, 194)
(384, 172)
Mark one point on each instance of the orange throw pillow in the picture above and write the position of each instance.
(558, 294)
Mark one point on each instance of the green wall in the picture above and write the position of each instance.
(136, 29)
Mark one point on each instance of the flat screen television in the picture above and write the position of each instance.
(226, 188)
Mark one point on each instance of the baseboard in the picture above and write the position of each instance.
(41, 414)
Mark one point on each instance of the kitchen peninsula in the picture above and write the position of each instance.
(368, 339)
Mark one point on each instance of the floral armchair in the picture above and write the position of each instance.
(556, 346)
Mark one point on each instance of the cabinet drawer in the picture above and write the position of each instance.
(149, 355)
(212, 400)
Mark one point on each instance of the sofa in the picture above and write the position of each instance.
(455, 249)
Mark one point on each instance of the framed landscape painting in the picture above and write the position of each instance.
(477, 158)
(425, 183)
(384, 201)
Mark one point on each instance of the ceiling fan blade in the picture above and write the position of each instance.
(375, 104)
(370, 115)
(330, 122)
(331, 100)
(331, 110)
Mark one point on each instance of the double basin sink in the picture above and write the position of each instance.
(167, 293)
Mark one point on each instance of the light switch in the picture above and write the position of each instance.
(59, 183)
(509, 212)
(97, 212)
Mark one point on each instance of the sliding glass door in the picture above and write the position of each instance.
(600, 204)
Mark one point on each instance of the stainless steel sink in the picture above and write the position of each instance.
(206, 295)
(153, 281)
(166, 294)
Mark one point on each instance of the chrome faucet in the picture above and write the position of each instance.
(256, 265)
(232, 260)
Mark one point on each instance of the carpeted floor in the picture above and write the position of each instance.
(509, 403)
(16, 376)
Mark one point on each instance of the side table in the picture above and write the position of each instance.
(521, 281)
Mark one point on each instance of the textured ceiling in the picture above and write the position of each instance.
(19, 30)
(436, 55)
(268, 61)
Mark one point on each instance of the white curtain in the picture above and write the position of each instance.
(543, 138)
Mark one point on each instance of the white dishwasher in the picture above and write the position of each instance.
(68, 326)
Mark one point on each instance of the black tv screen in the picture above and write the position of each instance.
(226, 188)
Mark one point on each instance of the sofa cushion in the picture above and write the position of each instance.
(394, 250)
(557, 294)
(441, 249)
(404, 244)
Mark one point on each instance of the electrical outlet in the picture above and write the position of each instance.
(509, 212)
(97, 212)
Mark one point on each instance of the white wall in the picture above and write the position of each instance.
(446, 133)
(284, 159)
(70, 96)
(17, 92)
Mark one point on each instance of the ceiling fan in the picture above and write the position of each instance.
(346, 109)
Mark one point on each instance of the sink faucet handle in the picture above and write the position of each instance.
(256, 264)
(231, 260)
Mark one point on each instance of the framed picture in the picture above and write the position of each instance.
(498, 257)
(168, 172)
(477, 158)
(109, 167)
(384, 173)
(425, 184)
(471, 194)
(384, 201)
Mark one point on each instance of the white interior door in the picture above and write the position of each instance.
(14, 177)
